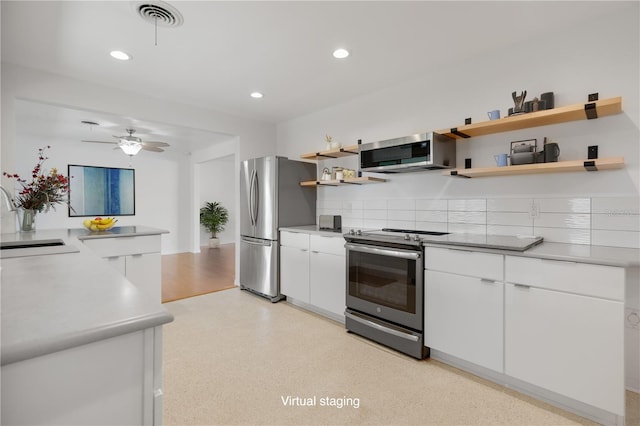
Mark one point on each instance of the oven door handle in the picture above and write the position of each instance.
(382, 328)
(403, 254)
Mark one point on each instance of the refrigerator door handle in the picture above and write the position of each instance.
(256, 198)
(266, 243)
(252, 198)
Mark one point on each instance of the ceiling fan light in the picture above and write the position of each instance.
(130, 148)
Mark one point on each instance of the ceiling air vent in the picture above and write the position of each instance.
(160, 13)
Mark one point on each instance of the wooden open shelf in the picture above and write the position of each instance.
(365, 180)
(524, 169)
(332, 153)
(565, 114)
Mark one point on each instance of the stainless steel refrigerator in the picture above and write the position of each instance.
(271, 197)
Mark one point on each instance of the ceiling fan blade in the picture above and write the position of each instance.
(100, 142)
(152, 148)
(156, 144)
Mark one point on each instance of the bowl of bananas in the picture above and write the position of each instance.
(100, 224)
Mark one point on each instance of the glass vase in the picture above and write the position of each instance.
(28, 220)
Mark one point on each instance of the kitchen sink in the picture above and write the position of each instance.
(24, 248)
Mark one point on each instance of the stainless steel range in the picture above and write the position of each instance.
(385, 288)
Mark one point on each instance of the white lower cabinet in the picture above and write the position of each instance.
(464, 313)
(294, 273)
(564, 329)
(327, 277)
(312, 270)
(115, 381)
(137, 258)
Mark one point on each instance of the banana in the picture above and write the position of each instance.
(102, 221)
(107, 226)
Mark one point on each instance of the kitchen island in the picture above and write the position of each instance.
(80, 342)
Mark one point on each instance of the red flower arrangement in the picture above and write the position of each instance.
(44, 190)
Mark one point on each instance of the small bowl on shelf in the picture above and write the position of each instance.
(99, 224)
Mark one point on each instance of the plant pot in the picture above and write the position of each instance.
(214, 242)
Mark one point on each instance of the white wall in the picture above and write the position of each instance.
(166, 196)
(217, 179)
(597, 56)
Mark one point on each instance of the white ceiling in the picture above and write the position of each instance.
(225, 50)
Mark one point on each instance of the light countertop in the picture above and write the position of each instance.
(52, 302)
(600, 255)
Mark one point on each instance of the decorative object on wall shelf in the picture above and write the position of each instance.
(554, 167)
(350, 181)
(582, 111)
(331, 144)
(518, 100)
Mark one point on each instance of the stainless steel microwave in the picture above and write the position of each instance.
(423, 151)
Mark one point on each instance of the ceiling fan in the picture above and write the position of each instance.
(131, 145)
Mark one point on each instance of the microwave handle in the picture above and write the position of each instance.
(403, 254)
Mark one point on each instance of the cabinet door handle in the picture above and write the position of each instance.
(315, 251)
(487, 281)
(522, 286)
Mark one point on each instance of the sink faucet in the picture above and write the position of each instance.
(7, 198)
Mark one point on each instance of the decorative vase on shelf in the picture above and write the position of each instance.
(28, 220)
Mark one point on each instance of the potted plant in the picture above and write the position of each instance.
(213, 216)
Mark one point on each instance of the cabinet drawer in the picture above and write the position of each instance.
(294, 239)
(122, 246)
(464, 262)
(331, 245)
(572, 277)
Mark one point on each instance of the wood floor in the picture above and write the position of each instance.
(192, 274)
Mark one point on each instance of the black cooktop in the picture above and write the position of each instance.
(413, 231)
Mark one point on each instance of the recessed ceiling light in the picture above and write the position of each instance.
(118, 54)
(340, 53)
(256, 95)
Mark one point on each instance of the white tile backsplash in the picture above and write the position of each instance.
(402, 204)
(431, 216)
(474, 217)
(431, 226)
(474, 205)
(408, 215)
(330, 204)
(629, 239)
(630, 222)
(352, 205)
(467, 228)
(559, 235)
(431, 205)
(401, 224)
(606, 221)
(564, 205)
(375, 214)
(374, 224)
(526, 231)
(615, 206)
(374, 204)
(522, 205)
(563, 220)
(509, 218)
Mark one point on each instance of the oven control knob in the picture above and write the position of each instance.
(407, 237)
(416, 237)
(359, 232)
(352, 232)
